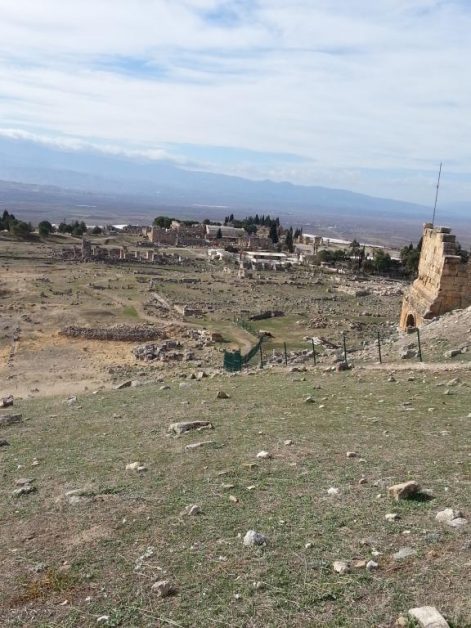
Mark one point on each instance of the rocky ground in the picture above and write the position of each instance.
(273, 510)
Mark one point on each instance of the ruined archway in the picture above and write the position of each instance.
(443, 283)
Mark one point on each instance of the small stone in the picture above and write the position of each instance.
(288, 442)
(164, 387)
(192, 510)
(24, 481)
(371, 565)
(392, 516)
(359, 564)
(404, 552)
(163, 588)
(333, 491)
(341, 566)
(10, 419)
(126, 384)
(227, 487)
(4, 443)
(252, 487)
(352, 454)
(444, 516)
(254, 538)
(222, 395)
(307, 545)
(136, 466)
(459, 522)
(192, 446)
(264, 455)
(309, 400)
(27, 489)
(233, 499)
(187, 426)
(362, 481)
(6, 402)
(428, 617)
(404, 490)
(103, 619)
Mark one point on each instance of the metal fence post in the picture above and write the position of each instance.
(313, 351)
(344, 348)
(419, 344)
(379, 349)
(261, 356)
(286, 354)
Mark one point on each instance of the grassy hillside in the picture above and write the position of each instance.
(70, 564)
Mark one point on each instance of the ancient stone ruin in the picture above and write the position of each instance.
(443, 283)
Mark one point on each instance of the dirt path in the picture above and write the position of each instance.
(417, 366)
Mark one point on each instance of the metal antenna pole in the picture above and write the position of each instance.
(436, 195)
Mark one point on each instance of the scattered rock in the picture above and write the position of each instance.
(341, 566)
(352, 454)
(309, 400)
(222, 395)
(407, 354)
(452, 353)
(10, 419)
(333, 491)
(459, 522)
(6, 402)
(140, 561)
(371, 565)
(136, 466)
(264, 455)
(342, 366)
(404, 552)
(404, 490)
(233, 499)
(254, 538)
(4, 443)
(192, 510)
(126, 384)
(24, 481)
(428, 617)
(164, 387)
(163, 588)
(444, 516)
(288, 442)
(200, 444)
(362, 481)
(392, 516)
(24, 490)
(188, 426)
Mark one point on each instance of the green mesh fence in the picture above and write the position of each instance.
(234, 360)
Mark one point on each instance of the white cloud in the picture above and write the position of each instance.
(348, 84)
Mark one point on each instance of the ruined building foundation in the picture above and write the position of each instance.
(443, 283)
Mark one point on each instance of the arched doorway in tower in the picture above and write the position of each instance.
(410, 322)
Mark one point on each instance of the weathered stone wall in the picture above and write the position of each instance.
(138, 333)
(443, 283)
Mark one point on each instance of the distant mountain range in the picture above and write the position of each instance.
(76, 183)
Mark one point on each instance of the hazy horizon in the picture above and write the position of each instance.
(354, 95)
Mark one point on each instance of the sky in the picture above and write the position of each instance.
(366, 95)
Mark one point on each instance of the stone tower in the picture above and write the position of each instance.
(443, 283)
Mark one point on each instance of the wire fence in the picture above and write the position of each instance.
(235, 361)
